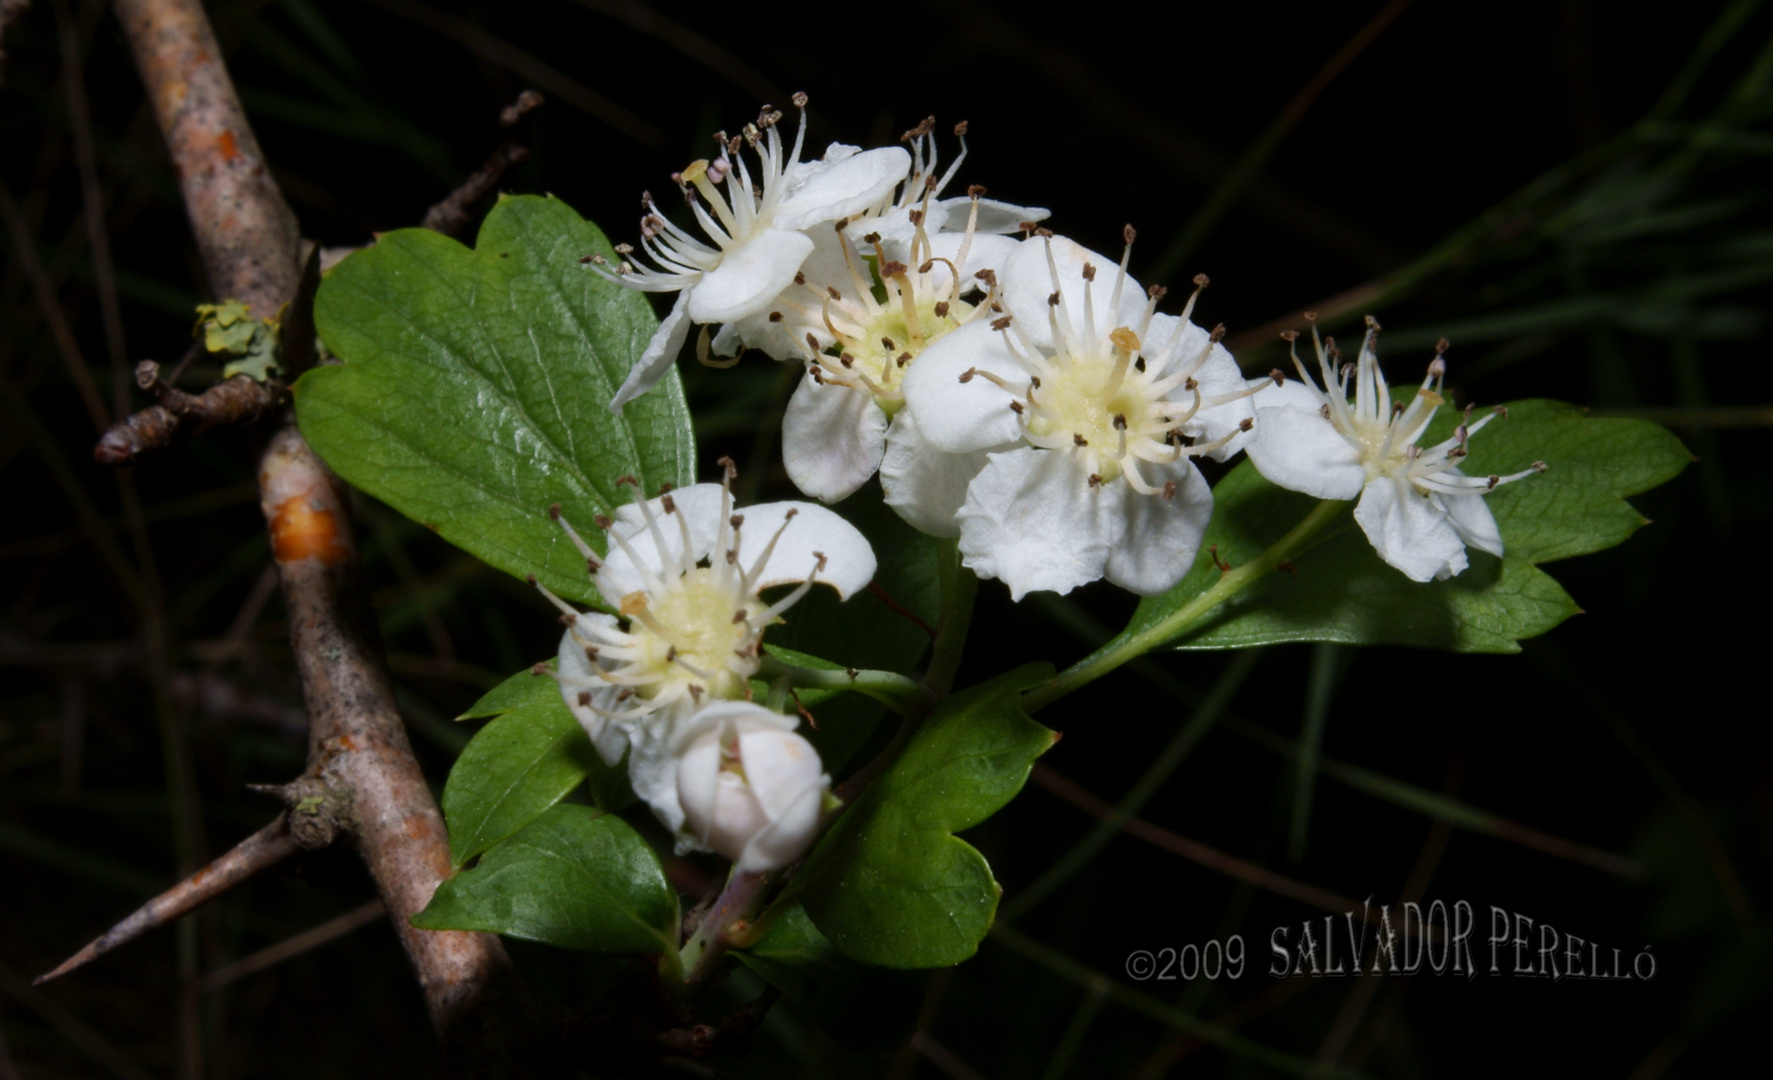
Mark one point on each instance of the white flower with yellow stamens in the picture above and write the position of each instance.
(1078, 400)
(755, 232)
(685, 573)
(1418, 510)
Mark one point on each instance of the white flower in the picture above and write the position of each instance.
(1078, 400)
(750, 788)
(756, 231)
(1417, 508)
(686, 572)
(927, 255)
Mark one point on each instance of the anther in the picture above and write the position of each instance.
(1437, 368)
(736, 520)
(554, 511)
(629, 481)
(1089, 271)
(799, 99)
(775, 316)
(871, 238)
(1246, 424)
(1201, 281)
(1289, 336)
(967, 375)
(1095, 480)
(669, 504)
(831, 291)
(1001, 324)
(1169, 489)
(1279, 376)
(1190, 383)
(941, 309)
(584, 698)
(1053, 300)
(1120, 421)
(975, 191)
(1079, 440)
(538, 669)
(1218, 334)
(902, 359)
(1016, 407)
(891, 269)
(799, 278)
(960, 128)
(887, 343)
(569, 620)
(1129, 233)
(1157, 292)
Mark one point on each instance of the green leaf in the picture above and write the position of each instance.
(1577, 505)
(576, 878)
(515, 768)
(889, 884)
(1339, 589)
(864, 1007)
(475, 387)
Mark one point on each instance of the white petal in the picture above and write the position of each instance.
(1296, 448)
(895, 230)
(1028, 282)
(961, 417)
(1471, 519)
(698, 783)
(849, 561)
(779, 765)
(611, 740)
(994, 216)
(654, 760)
(926, 486)
(832, 439)
(1032, 521)
(750, 276)
(791, 833)
(1218, 374)
(984, 253)
(1409, 531)
(700, 506)
(857, 183)
(661, 352)
(1160, 537)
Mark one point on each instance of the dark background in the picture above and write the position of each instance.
(1634, 281)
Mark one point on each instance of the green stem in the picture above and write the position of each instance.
(897, 692)
(1230, 583)
(959, 587)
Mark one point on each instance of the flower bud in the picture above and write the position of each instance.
(751, 789)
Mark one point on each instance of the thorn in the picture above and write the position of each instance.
(260, 851)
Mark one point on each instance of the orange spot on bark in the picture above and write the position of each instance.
(301, 530)
(225, 143)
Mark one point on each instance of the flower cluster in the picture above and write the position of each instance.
(1013, 389)
(666, 681)
(1015, 392)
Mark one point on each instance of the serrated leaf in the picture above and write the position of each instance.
(475, 387)
(1577, 505)
(864, 1007)
(1339, 590)
(575, 877)
(890, 884)
(530, 757)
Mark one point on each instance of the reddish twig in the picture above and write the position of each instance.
(180, 416)
(453, 214)
(358, 750)
(263, 849)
